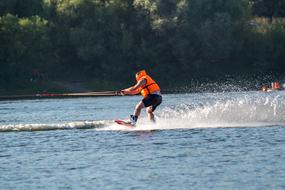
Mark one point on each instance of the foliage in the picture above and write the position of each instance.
(23, 46)
(177, 41)
(268, 8)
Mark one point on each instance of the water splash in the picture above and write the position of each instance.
(203, 110)
(218, 110)
(55, 126)
(227, 111)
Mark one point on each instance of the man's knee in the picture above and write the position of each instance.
(140, 105)
(149, 110)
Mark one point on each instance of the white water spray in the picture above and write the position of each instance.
(204, 110)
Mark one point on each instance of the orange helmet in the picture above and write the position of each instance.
(140, 74)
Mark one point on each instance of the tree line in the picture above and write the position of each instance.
(106, 41)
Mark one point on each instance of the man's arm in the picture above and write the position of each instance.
(134, 89)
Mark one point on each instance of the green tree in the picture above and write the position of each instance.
(268, 8)
(24, 46)
(26, 8)
(208, 35)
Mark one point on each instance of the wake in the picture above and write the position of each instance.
(55, 126)
(207, 111)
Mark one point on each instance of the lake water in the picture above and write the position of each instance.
(200, 141)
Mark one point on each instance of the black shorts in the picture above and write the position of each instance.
(152, 100)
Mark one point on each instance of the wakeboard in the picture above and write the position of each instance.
(124, 123)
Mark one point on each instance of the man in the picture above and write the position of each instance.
(150, 91)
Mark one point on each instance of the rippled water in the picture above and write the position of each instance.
(200, 141)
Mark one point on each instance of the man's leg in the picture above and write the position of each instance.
(150, 113)
(138, 108)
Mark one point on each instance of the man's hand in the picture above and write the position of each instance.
(124, 92)
(134, 89)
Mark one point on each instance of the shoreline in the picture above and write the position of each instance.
(53, 95)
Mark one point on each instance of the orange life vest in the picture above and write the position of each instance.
(150, 86)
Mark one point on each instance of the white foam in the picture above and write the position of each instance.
(244, 110)
(206, 111)
(54, 126)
